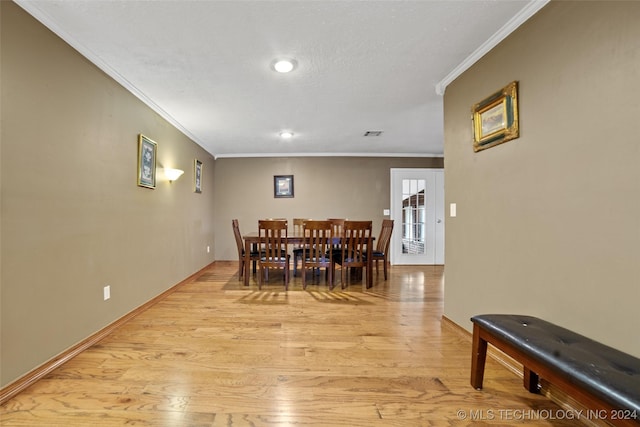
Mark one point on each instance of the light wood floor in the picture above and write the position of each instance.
(217, 354)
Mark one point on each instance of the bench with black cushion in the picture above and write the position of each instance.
(602, 378)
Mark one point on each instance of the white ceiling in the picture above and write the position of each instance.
(362, 65)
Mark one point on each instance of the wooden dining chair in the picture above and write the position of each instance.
(317, 253)
(337, 224)
(253, 256)
(381, 252)
(356, 250)
(273, 236)
(298, 230)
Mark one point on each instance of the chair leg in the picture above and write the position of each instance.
(240, 268)
(385, 267)
(343, 276)
(286, 277)
(333, 273)
(295, 265)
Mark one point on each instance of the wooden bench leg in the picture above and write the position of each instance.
(531, 381)
(478, 358)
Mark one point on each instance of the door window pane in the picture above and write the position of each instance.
(413, 216)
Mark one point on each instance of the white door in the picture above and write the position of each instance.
(417, 210)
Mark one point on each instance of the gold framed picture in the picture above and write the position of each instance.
(495, 119)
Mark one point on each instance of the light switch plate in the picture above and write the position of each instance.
(453, 210)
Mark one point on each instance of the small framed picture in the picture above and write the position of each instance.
(495, 119)
(197, 176)
(282, 186)
(147, 153)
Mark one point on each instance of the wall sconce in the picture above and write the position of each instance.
(172, 174)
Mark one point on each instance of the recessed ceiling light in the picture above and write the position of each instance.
(286, 135)
(284, 65)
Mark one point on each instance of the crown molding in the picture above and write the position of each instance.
(527, 12)
(256, 155)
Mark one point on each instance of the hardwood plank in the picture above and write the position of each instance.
(215, 352)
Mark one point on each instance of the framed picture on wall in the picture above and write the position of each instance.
(495, 119)
(147, 153)
(282, 186)
(197, 176)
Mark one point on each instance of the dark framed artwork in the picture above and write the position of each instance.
(147, 154)
(197, 176)
(495, 118)
(282, 186)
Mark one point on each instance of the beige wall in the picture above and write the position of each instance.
(346, 187)
(73, 219)
(549, 224)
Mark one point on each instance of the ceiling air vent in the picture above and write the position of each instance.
(373, 133)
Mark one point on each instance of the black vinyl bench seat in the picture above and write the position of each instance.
(600, 377)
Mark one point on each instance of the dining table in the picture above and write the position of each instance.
(252, 239)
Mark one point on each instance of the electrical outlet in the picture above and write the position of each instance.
(208, 249)
(453, 211)
(107, 292)
(386, 212)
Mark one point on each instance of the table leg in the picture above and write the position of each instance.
(247, 262)
(369, 263)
